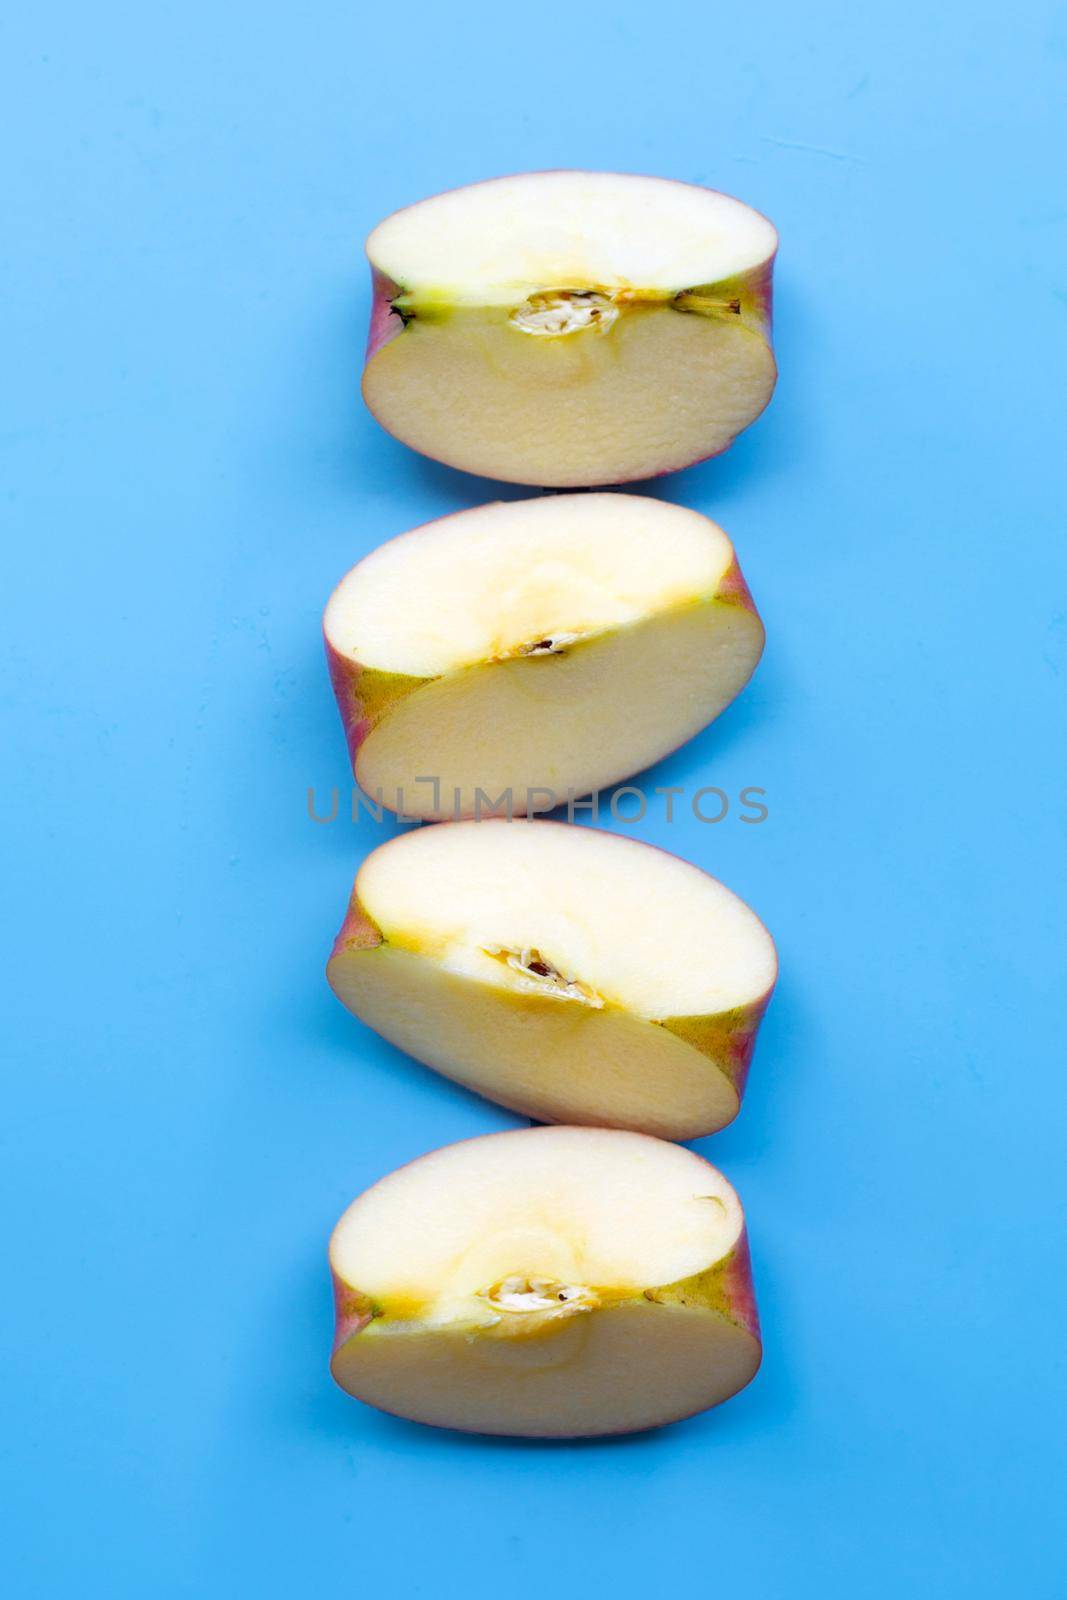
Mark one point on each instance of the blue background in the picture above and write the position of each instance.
(188, 470)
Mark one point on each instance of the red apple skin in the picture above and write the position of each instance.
(743, 1043)
(761, 287)
(739, 1289)
(733, 590)
(357, 931)
(385, 323)
(352, 1312)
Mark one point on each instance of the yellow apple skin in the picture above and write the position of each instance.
(724, 1041)
(728, 1039)
(725, 1287)
(365, 697)
(723, 1292)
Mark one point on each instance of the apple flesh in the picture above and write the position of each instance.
(569, 329)
(535, 651)
(569, 974)
(552, 1282)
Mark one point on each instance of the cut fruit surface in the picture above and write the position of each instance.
(570, 974)
(535, 651)
(551, 1282)
(571, 328)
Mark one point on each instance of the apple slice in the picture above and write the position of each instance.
(570, 974)
(535, 651)
(553, 1282)
(571, 328)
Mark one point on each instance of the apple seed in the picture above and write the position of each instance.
(562, 311)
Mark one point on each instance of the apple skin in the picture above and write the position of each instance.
(352, 1311)
(357, 931)
(385, 323)
(728, 1039)
(732, 590)
(726, 1288)
(365, 695)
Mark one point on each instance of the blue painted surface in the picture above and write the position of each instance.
(187, 471)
